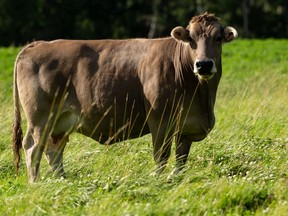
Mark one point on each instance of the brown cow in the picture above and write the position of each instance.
(113, 90)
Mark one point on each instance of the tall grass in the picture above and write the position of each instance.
(240, 168)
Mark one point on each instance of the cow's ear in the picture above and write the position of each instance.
(230, 34)
(179, 33)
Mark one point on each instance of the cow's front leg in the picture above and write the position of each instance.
(183, 145)
(54, 154)
(162, 141)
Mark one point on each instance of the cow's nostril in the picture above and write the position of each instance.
(198, 65)
(209, 64)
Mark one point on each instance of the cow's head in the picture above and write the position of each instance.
(205, 35)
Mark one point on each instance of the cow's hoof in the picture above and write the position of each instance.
(175, 174)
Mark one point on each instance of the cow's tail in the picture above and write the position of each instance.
(17, 129)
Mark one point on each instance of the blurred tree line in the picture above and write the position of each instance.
(23, 21)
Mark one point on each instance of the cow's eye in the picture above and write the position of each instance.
(193, 44)
(219, 39)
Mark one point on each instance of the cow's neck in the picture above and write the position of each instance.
(183, 63)
(207, 100)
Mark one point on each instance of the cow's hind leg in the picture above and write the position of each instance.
(34, 144)
(64, 126)
(54, 154)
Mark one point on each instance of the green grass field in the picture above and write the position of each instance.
(241, 168)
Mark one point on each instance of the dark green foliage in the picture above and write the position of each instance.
(25, 21)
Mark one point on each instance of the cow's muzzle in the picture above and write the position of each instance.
(205, 69)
